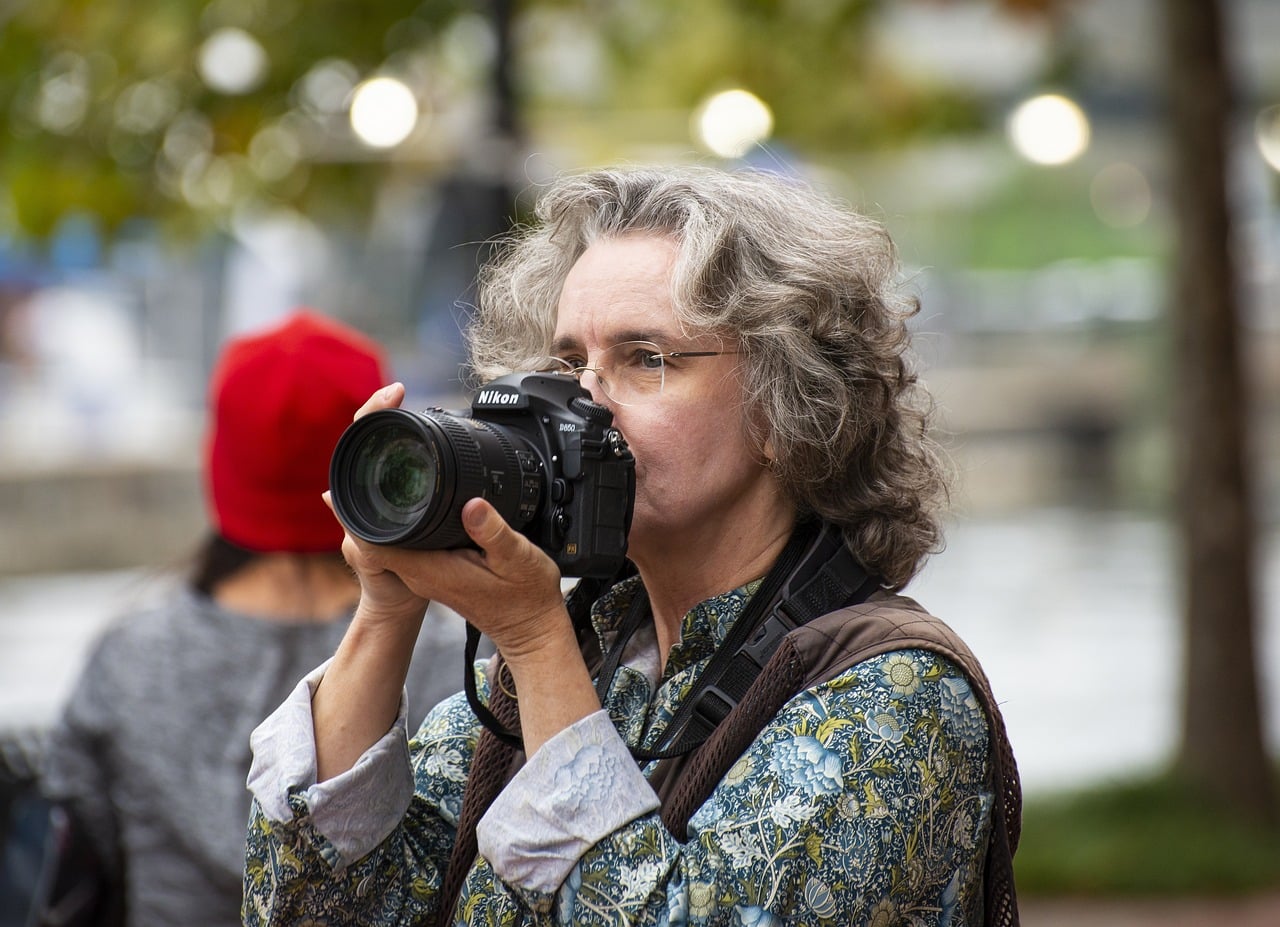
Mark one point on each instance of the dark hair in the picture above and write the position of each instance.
(215, 560)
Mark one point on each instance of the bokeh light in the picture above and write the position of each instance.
(232, 61)
(383, 112)
(1267, 132)
(731, 123)
(146, 106)
(274, 152)
(327, 85)
(1121, 195)
(63, 99)
(1049, 129)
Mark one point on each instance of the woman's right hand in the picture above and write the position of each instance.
(384, 596)
(357, 699)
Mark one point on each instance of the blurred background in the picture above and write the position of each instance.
(1100, 311)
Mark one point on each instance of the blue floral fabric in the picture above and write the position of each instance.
(866, 801)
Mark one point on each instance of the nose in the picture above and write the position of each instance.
(594, 386)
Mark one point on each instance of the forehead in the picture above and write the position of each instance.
(619, 290)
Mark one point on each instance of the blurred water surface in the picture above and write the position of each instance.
(1074, 615)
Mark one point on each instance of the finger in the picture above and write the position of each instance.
(486, 527)
(389, 397)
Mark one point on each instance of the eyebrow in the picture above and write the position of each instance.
(570, 343)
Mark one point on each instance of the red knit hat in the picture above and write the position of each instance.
(279, 399)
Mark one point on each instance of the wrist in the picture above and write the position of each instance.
(546, 640)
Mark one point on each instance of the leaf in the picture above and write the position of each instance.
(827, 727)
(813, 847)
(883, 768)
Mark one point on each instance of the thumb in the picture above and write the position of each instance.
(486, 527)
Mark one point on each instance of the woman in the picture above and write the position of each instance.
(152, 748)
(784, 405)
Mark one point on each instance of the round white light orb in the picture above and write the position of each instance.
(731, 123)
(1049, 129)
(1267, 131)
(232, 61)
(383, 112)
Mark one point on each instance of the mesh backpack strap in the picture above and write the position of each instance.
(688, 788)
(490, 769)
(819, 651)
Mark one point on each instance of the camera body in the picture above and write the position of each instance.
(534, 445)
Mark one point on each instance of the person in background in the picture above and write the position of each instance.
(152, 749)
(750, 339)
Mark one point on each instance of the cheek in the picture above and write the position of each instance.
(687, 449)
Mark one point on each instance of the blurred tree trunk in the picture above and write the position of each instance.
(1223, 748)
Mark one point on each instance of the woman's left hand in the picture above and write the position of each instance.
(510, 590)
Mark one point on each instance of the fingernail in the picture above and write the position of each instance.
(389, 391)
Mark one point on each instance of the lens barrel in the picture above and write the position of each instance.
(400, 478)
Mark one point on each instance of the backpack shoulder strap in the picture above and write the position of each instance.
(821, 650)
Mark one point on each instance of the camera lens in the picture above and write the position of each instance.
(401, 478)
(400, 473)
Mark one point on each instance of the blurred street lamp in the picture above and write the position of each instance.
(383, 112)
(731, 123)
(231, 61)
(1049, 129)
(1267, 131)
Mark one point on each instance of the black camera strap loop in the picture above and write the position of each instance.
(487, 718)
(578, 602)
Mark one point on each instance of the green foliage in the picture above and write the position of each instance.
(68, 69)
(1151, 837)
(812, 61)
(1042, 215)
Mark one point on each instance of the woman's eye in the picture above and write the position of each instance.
(649, 360)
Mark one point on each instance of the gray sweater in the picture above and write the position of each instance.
(153, 744)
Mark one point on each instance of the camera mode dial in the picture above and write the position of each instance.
(591, 411)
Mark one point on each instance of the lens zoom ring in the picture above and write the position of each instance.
(508, 451)
(467, 480)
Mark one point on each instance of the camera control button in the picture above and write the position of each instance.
(563, 522)
(561, 491)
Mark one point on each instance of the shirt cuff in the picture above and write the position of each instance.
(581, 786)
(355, 810)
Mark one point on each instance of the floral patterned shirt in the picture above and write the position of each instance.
(866, 800)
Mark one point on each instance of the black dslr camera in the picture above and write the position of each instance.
(535, 446)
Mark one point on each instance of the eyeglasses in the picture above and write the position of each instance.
(631, 373)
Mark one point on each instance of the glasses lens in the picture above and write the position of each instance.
(632, 372)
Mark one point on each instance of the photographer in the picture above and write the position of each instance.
(747, 337)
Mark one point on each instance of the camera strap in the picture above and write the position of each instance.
(578, 602)
(815, 574)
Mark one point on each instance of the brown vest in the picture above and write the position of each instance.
(813, 653)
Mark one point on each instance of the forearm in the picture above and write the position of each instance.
(553, 685)
(358, 699)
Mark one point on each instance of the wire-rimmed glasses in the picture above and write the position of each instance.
(630, 373)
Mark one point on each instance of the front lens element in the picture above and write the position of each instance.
(400, 472)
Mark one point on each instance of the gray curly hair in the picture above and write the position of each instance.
(809, 290)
